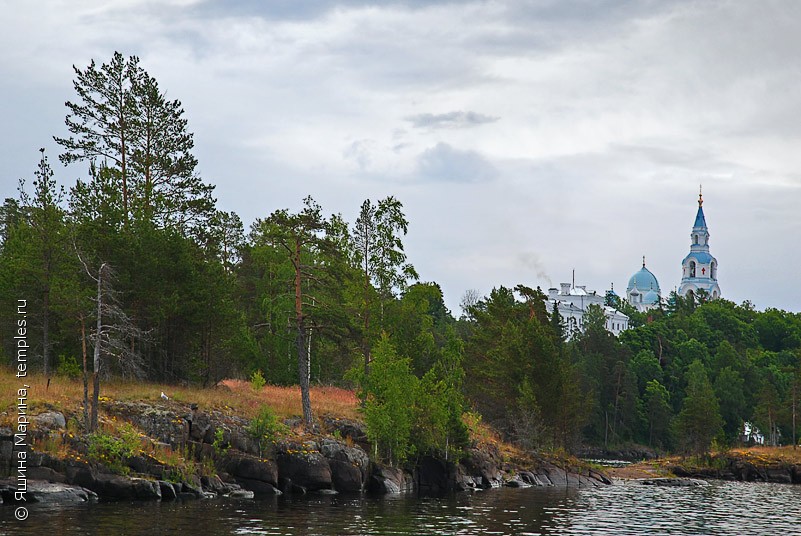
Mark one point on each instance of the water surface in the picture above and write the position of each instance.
(624, 509)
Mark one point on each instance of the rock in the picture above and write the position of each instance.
(240, 494)
(193, 488)
(390, 480)
(347, 477)
(347, 428)
(50, 420)
(120, 487)
(214, 484)
(39, 491)
(433, 476)
(47, 474)
(251, 468)
(303, 465)
(348, 465)
(168, 492)
(485, 466)
(258, 486)
(781, 475)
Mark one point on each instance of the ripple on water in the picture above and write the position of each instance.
(624, 509)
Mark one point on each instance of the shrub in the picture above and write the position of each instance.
(265, 428)
(220, 445)
(114, 450)
(68, 366)
(257, 380)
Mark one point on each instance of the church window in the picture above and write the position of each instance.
(695, 239)
(713, 271)
(692, 268)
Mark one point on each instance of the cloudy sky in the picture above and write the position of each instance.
(525, 139)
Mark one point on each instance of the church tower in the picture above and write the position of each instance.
(699, 268)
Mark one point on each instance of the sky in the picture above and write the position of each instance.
(524, 139)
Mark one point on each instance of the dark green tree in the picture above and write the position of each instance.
(377, 249)
(699, 421)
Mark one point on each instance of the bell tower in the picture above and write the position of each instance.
(699, 267)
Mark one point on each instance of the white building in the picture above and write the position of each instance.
(572, 302)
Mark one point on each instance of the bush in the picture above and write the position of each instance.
(265, 428)
(257, 380)
(114, 450)
(220, 445)
(68, 366)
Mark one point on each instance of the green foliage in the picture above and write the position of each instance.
(513, 343)
(658, 412)
(219, 444)
(389, 392)
(257, 381)
(265, 428)
(113, 450)
(699, 421)
(68, 366)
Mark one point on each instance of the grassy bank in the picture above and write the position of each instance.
(231, 396)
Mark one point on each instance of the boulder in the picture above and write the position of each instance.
(464, 481)
(50, 420)
(251, 468)
(349, 465)
(484, 466)
(390, 480)
(168, 492)
(240, 494)
(39, 491)
(433, 476)
(303, 466)
(121, 487)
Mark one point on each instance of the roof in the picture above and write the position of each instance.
(651, 297)
(700, 221)
(643, 280)
(701, 257)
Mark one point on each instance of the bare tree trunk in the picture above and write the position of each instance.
(795, 387)
(85, 377)
(98, 341)
(303, 363)
(46, 334)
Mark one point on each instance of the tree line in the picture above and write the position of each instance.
(135, 266)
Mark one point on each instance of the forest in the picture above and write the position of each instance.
(133, 272)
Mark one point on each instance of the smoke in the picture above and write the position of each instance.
(531, 262)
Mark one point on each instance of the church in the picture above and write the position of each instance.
(699, 276)
(699, 270)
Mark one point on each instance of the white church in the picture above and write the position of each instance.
(699, 274)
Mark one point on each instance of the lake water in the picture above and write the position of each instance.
(721, 508)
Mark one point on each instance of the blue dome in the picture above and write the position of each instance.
(644, 280)
(651, 297)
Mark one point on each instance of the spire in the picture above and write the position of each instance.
(643, 261)
(700, 220)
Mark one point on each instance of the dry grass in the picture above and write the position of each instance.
(768, 454)
(231, 396)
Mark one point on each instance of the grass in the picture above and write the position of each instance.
(786, 454)
(231, 396)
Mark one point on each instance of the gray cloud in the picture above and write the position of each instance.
(445, 163)
(457, 119)
(613, 112)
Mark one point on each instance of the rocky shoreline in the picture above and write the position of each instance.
(332, 460)
(743, 466)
